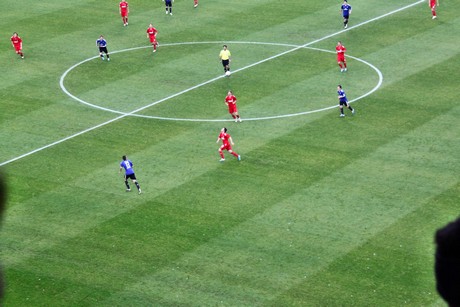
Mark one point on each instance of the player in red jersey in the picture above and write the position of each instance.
(124, 11)
(230, 101)
(195, 3)
(227, 143)
(433, 4)
(17, 44)
(152, 35)
(340, 50)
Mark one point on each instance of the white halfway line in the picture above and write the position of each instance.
(379, 73)
(207, 82)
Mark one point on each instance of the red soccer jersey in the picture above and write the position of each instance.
(152, 31)
(123, 6)
(224, 137)
(340, 53)
(231, 102)
(17, 41)
(340, 49)
(230, 99)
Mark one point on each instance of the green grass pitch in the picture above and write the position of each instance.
(321, 211)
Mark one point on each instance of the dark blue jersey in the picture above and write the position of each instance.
(342, 96)
(128, 166)
(101, 42)
(346, 9)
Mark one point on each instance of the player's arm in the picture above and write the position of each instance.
(231, 140)
(121, 168)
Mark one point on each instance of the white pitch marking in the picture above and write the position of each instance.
(379, 73)
(122, 116)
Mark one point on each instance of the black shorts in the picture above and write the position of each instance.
(132, 177)
(168, 2)
(225, 62)
(343, 103)
(103, 49)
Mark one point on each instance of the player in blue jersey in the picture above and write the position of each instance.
(345, 9)
(343, 101)
(101, 43)
(168, 4)
(127, 165)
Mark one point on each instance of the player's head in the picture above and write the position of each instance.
(225, 47)
(15, 34)
(102, 36)
(150, 26)
(339, 43)
(230, 93)
(124, 158)
(224, 130)
(339, 87)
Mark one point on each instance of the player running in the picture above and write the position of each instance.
(152, 36)
(127, 165)
(227, 143)
(343, 101)
(17, 44)
(101, 43)
(345, 9)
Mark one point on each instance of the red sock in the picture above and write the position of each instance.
(195, 1)
(221, 154)
(345, 65)
(434, 12)
(235, 154)
(340, 64)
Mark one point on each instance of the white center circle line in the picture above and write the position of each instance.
(134, 113)
(21, 156)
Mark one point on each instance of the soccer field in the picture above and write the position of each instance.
(320, 211)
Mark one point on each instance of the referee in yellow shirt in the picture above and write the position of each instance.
(224, 56)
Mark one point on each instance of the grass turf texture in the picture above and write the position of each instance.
(321, 211)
